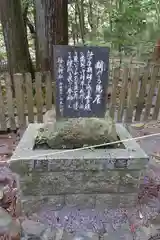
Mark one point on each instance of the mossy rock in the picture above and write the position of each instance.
(77, 132)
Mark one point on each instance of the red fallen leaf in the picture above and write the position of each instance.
(132, 228)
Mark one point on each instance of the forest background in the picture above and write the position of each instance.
(29, 28)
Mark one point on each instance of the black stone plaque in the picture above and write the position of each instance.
(81, 80)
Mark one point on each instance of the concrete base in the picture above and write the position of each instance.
(25, 158)
(101, 175)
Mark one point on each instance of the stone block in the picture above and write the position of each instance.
(33, 229)
(116, 200)
(80, 200)
(86, 236)
(112, 175)
(53, 183)
(69, 183)
(149, 233)
(117, 235)
(25, 159)
(129, 181)
(33, 204)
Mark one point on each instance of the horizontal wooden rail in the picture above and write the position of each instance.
(33, 98)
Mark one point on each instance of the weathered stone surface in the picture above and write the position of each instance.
(82, 164)
(70, 182)
(129, 199)
(57, 234)
(99, 159)
(123, 232)
(80, 200)
(5, 220)
(67, 236)
(56, 202)
(117, 235)
(48, 234)
(32, 228)
(80, 182)
(107, 200)
(129, 181)
(32, 204)
(156, 221)
(116, 200)
(79, 174)
(138, 163)
(86, 236)
(15, 229)
(149, 233)
(77, 132)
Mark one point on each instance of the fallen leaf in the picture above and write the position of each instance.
(138, 125)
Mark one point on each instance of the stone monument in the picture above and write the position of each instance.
(69, 160)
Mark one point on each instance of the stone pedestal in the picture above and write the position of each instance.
(84, 178)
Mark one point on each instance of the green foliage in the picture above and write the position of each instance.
(131, 26)
(26, 2)
(128, 25)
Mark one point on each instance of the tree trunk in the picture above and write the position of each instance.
(42, 56)
(91, 21)
(15, 37)
(32, 31)
(80, 10)
(56, 24)
(77, 28)
(52, 28)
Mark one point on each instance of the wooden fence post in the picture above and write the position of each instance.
(29, 92)
(39, 99)
(157, 104)
(115, 81)
(49, 91)
(132, 94)
(123, 94)
(142, 93)
(155, 70)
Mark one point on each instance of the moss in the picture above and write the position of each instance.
(75, 133)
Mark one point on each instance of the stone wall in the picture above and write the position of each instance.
(79, 188)
(54, 183)
(91, 178)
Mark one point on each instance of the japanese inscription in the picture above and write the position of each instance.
(81, 80)
(60, 80)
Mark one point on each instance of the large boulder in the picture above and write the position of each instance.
(77, 132)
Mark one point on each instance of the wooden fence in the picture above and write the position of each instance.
(133, 94)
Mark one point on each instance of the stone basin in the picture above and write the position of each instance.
(89, 178)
